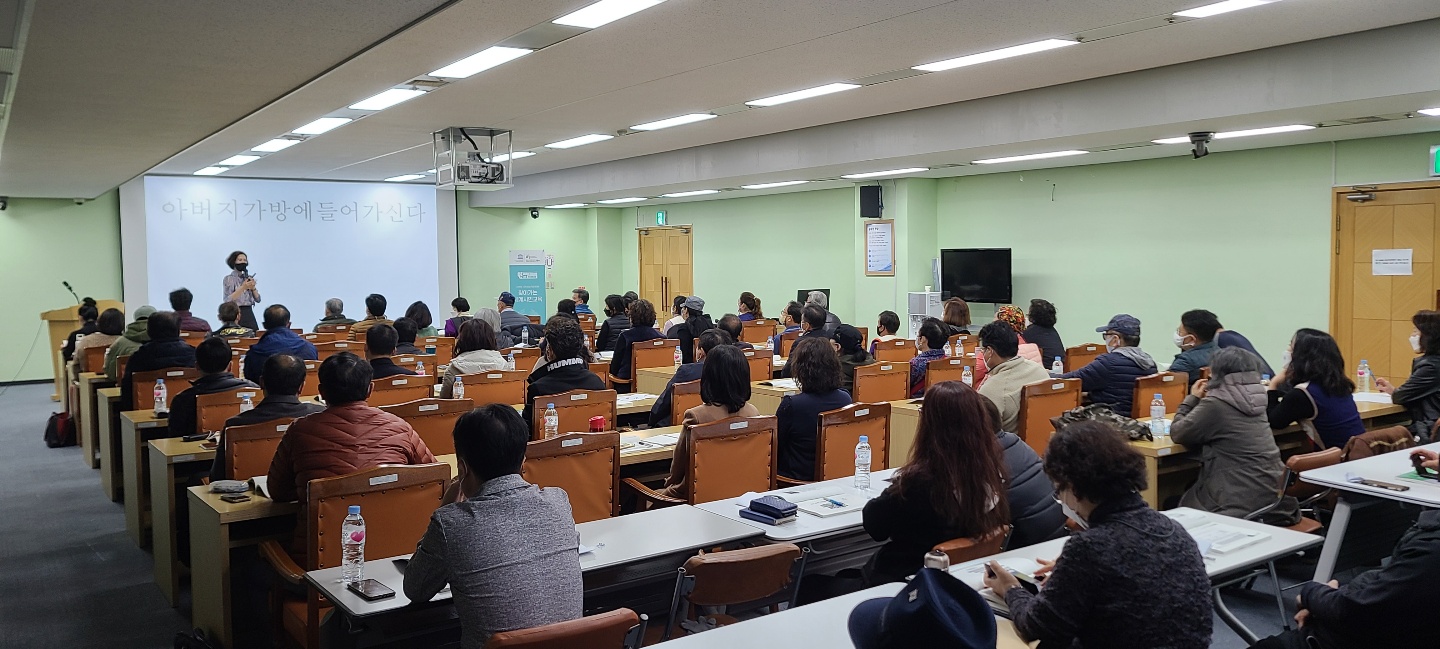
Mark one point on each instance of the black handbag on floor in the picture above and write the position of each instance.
(60, 430)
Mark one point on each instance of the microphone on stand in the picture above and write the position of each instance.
(72, 291)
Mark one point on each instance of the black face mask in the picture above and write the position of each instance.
(241, 267)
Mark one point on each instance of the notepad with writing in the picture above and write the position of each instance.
(831, 505)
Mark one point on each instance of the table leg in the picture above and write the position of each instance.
(109, 435)
(1230, 620)
(1330, 552)
(1152, 482)
(162, 500)
(84, 427)
(209, 572)
(1279, 596)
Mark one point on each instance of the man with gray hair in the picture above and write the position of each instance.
(818, 298)
(334, 314)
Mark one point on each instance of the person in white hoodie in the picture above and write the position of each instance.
(475, 352)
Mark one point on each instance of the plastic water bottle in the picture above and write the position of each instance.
(242, 365)
(552, 421)
(1362, 377)
(587, 341)
(510, 361)
(1058, 367)
(459, 391)
(525, 336)
(162, 407)
(1157, 416)
(246, 405)
(938, 560)
(862, 464)
(420, 368)
(1265, 380)
(949, 351)
(967, 376)
(678, 357)
(352, 547)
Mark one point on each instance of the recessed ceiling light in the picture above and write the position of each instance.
(1269, 130)
(211, 171)
(892, 172)
(512, 156)
(237, 160)
(321, 125)
(403, 178)
(632, 199)
(1222, 8)
(277, 144)
(480, 62)
(674, 121)
(698, 192)
(605, 11)
(783, 183)
(564, 206)
(1033, 156)
(387, 99)
(803, 94)
(995, 55)
(1433, 112)
(579, 141)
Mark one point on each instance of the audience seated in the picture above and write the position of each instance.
(794, 314)
(134, 335)
(1110, 378)
(475, 351)
(507, 548)
(724, 393)
(180, 301)
(677, 319)
(1035, 515)
(812, 325)
(567, 308)
(948, 489)
(1042, 332)
(374, 315)
(731, 324)
(334, 314)
(821, 300)
(459, 314)
(957, 316)
(749, 307)
(405, 333)
(1196, 339)
(1013, 317)
(616, 323)
(887, 328)
(563, 366)
(931, 343)
(163, 350)
(278, 339)
(696, 323)
(108, 328)
(851, 347)
(88, 325)
(1133, 579)
(1314, 391)
(817, 370)
(348, 436)
(1420, 394)
(230, 327)
(641, 315)
(660, 411)
(1009, 372)
(212, 358)
(379, 347)
(419, 313)
(503, 338)
(510, 319)
(284, 377)
(581, 298)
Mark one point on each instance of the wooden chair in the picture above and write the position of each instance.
(657, 352)
(311, 387)
(712, 588)
(524, 356)
(95, 358)
(177, 380)
(444, 348)
(787, 340)
(617, 629)
(864, 335)
(396, 501)
(575, 408)
(249, 449)
(1039, 402)
(326, 350)
(120, 363)
(840, 431)
(1307, 494)
(412, 362)
(361, 336)
(1169, 385)
(235, 356)
(898, 350)
(756, 332)
(585, 465)
(484, 388)
(318, 337)
(587, 322)
(1367, 444)
(534, 319)
(1080, 355)
(948, 369)
(761, 362)
(194, 338)
(728, 458)
(393, 390)
(434, 420)
(343, 330)
(684, 396)
(968, 549)
(883, 381)
(601, 369)
(211, 410)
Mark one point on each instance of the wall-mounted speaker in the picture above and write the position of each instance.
(871, 203)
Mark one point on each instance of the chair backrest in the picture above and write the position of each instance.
(177, 380)
(399, 389)
(1041, 401)
(617, 629)
(587, 321)
(601, 369)
(840, 431)
(761, 362)
(412, 361)
(395, 500)
(95, 358)
(311, 388)
(957, 344)
(864, 335)
(975, 547)
(235, 355)
(739, 580)
(731, 457)
(787, 341)
(575, 408)
(683, 396)
(194, 338)
(1376, 442)
(326, 350)
(433, 419)
(120, 363)
(342, 329)
(444, 347)
(585, 465)
(534, 319)
(1169, 385)
(657, 352)
(211, 410)
(249, 449)
(1080, 355)
(1297, 464)
(524, 356)
(947, 369)
(321, 337)
(898, 350)
(882, 381)
(496, 386)
(756, 332)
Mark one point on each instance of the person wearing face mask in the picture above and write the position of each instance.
(1420, 394)
(1009, 371)
(1132, 579)
(1196, 339)
(1313, 390)
(239, 287)
(1110, 378)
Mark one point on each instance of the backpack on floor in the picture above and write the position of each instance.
(60, 430)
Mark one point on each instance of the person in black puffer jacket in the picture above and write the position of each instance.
(1420, 394)
(616, 323)
(565, 365)
(1110, 378)
(1035, 517)
(696, 323)
(164, 350)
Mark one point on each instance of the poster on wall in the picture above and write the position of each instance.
(527, 281)
(880, 248)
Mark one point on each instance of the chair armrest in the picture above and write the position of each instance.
(651, 496)
(615, 379)
(789, 482)
(280, 560)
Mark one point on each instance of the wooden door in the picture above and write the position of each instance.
(1370, 314)
(666, 268)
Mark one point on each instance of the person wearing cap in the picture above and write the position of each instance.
(850, 345)
(510, 319)
(1009, 373)
(582, 300)
(695, 323)
(1110, 378)
(131, 339)
(934, 610)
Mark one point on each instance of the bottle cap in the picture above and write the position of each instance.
(1159, 395)
(549, 405)
(354, 509)
(865, 438)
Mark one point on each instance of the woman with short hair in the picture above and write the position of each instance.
(1420, 394)
(108, 328)
(424, 321)
(616, 322)
(957, 316)
(460, 313)
(475, 351)
(1042, 331)
(817, 371)
(641, 314)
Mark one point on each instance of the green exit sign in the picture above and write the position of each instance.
(660, 214)
(1435, 160)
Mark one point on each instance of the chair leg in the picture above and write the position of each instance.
(1279, 596)
(675, 603)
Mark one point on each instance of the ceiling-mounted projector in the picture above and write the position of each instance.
(473, 158)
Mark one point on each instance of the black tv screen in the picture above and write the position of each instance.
(976, 274)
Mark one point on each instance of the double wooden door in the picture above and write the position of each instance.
(666, 268)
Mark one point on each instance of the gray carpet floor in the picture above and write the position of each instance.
(71, 577)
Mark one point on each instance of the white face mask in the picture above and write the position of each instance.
(1179, 341)
(1415, 343)
(1109, 345)
(1073, 515)
(1285, 359)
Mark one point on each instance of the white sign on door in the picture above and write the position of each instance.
(1391, 262)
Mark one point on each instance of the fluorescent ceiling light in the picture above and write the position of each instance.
(1221, 8)
(321, 125)
(632, 199)
(387, 99)
(403, 178)
(512, 156)
(995, 55)
(892, 172)
(1433, 112)
(277, 144)
(564, 206)
(1269, 130)
(802, 94)
(480, 62)
(698, 192)
(603, 12)
(674, 121)
(429, 171)
(783, 183)
(237, 160)
(211, 171)
(579, 141)
(1033, 156)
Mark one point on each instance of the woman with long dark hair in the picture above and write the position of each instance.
(750, 307)
(424, 321)
(851, 349)
(1420, 394)
(1314, 391)
(239, 287)
(616, 322)
(952, 486)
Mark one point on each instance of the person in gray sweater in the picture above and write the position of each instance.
(508, 549)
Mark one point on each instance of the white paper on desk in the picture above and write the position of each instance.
(625, 399)
(973, 573)
(586, 549)
(668, 439)
(785, 384)
(629, 441)
(261, 483)
(1224, 539)
(1373, 397)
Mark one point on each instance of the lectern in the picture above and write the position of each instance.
(61, 323)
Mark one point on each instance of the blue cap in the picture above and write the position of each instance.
(507, 298)
(354, 509)
(549, 405)
(933, 610)
(1124, 323)
(864, 438)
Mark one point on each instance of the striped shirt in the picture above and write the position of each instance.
(232, 284)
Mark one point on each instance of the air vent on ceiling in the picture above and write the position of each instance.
(425, 83)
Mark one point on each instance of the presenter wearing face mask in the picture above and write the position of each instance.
(239, 288)
(1420, 394)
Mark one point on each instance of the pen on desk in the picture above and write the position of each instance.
(834, 502)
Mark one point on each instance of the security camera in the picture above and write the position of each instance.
(1200, 139)
(534, 212)
(4, 203)
(79, 201)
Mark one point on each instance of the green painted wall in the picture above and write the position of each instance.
(43, 242)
